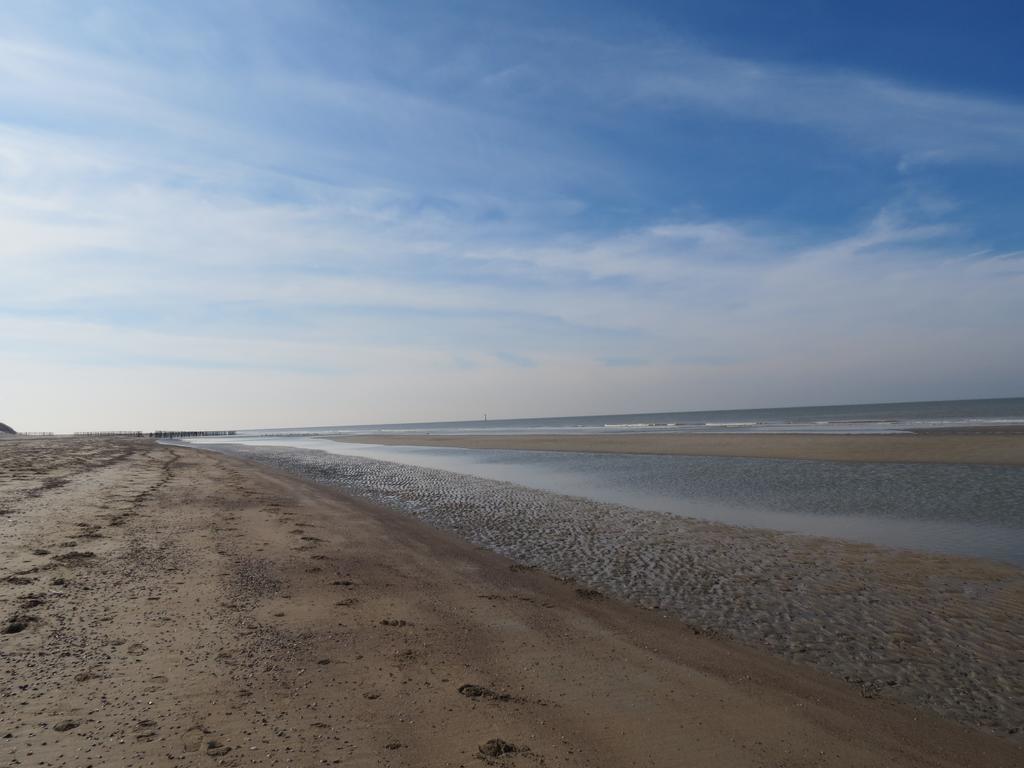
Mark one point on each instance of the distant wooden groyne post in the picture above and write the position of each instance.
(161, 434)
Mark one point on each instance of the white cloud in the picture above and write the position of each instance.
(920, 125)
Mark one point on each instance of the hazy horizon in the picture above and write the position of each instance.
(242, 215)
(497, 419)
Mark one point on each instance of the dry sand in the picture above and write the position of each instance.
(948, 447)
(166, 606)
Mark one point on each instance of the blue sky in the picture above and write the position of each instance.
(257, 214)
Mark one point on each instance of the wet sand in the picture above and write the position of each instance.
(168, 606)
(896, 624)
(988, 447)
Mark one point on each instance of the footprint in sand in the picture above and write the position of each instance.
(157, 682)
(74, 558)
(17, 623)
(499, 748)
(473, 691)
(215, 749)
(146, 730)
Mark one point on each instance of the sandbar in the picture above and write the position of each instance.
(994, 448)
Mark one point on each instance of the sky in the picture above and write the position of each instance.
(255, 214)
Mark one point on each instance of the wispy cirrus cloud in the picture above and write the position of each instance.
(920, 125)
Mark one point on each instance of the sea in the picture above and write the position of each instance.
(957, 509)
(838, 419)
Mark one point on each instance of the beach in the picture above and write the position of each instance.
(167, 605)
(977, 446)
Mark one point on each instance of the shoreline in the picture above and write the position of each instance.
(181, 604)
(852, 610)
(957, 447)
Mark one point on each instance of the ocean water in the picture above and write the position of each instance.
(961, 509)
(873, 418)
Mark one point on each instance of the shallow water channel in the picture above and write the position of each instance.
(974, 510)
